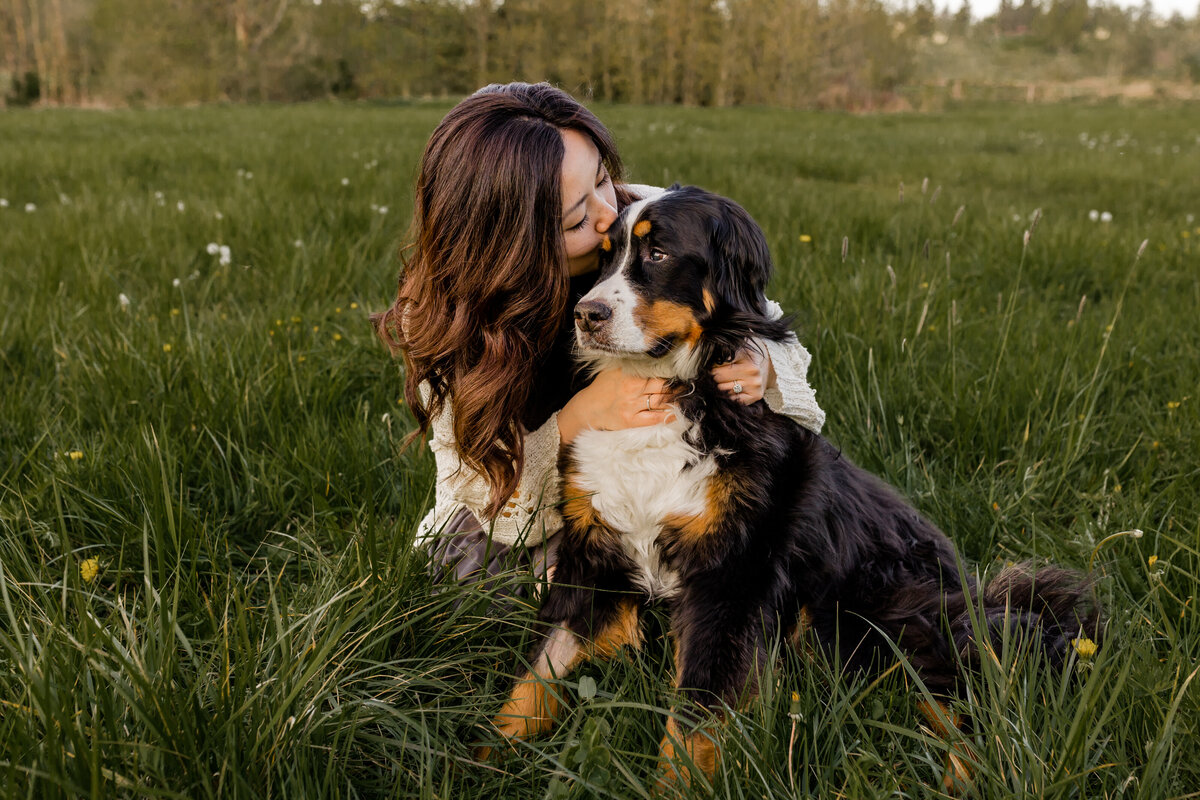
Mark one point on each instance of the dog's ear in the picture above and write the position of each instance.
(741, 264)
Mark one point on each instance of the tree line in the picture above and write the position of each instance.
(794, 53)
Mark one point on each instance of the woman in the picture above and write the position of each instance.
(516, 189)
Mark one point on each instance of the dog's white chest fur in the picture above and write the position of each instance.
(638, 477)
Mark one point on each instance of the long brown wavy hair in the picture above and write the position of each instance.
(484, 286)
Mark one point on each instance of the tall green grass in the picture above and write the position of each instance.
(207, 587)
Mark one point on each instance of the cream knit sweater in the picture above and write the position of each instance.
(531, 515)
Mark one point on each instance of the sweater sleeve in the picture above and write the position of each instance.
(792, 395)
(528, 518)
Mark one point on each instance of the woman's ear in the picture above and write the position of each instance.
(741, 264)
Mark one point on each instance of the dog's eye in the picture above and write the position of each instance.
(657, 255)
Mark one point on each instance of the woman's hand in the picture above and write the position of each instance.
(751, 370)
(613, 401)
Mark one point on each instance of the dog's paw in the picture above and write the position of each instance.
(681, 755)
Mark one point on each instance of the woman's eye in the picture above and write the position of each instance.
(578, 225)
(657, 255)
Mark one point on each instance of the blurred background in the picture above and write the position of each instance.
(846, 54)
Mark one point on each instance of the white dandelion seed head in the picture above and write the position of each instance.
(374, 206)
(219, 215)
(1190, 217)
(226, 258)
(345, 181)
(383, 209)
(195, 274)
(249, 175)
(1094, 215)
(180, 205)
(123, 301)
(241, 173)
(213, 248)
(62, 198)
(1016, 217)
(1106, 216)
(177, 283)
(158, 195)
(3, 202)
(298, 243)
(30, 208)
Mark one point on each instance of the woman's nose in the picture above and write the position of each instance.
(605, 217)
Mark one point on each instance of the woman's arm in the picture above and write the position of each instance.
(789, 393)
(531, 514)
(612, 401)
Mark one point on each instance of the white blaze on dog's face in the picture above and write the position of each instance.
(642, 309)
(668, 263)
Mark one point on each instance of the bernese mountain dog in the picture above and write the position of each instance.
(748, 525)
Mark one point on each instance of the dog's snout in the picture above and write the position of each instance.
(590, 314)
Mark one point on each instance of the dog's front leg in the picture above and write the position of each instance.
(579, 622)
(720, 648)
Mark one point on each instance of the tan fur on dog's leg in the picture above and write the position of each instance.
(699, 746)
(532, 707)
(958, 778)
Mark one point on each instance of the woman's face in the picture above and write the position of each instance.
(589, 202)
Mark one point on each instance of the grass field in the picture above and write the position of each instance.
(206, 583)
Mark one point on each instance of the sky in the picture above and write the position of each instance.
(1164, 8)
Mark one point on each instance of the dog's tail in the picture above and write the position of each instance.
(1051, 605)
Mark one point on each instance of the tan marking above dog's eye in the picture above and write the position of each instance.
(657, 255)
(606, 243)
(642, 228)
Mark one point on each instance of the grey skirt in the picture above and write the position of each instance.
(464, 554)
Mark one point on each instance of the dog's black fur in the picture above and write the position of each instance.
(795, 529)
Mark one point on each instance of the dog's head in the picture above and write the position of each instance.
(681, 287)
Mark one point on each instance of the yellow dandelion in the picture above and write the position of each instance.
(301, 359)
(995, 506)
(1151, 561)
(1117, 488)
(167, 347)
(354, 305)
(75, 455)
(89, 569)
(804, 237)
(1173, 404)
(337, 337)
(174, 312)
(295, 319)
(924, 284)
(337, 310)
(316, 328)
(1085, 647)
(1185, 234)
(1154, 445)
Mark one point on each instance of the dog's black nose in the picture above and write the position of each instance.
(589, 315)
